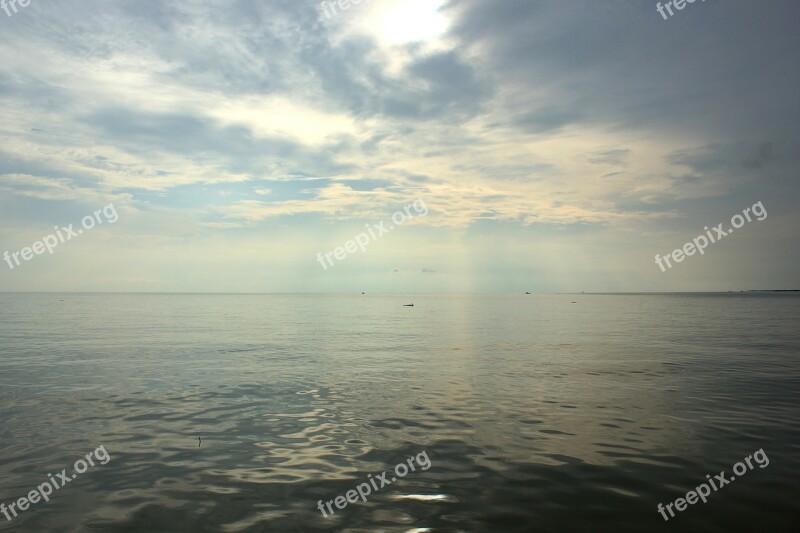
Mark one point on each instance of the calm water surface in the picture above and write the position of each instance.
(537, 414)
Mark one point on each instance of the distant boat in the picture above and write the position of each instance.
(527, 293)
(408, 305)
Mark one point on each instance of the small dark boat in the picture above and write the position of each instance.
(408, 305)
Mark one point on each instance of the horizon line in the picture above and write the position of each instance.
(405, 292)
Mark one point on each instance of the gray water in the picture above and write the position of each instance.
(240, 412)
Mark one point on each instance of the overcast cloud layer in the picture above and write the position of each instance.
(558, 145)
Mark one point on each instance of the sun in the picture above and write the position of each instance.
(395, 22)
(412, 20)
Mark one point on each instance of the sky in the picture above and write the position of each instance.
(527, 145)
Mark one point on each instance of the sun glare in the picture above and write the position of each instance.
(399, 22)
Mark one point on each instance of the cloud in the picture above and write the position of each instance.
(214, 119)
(615, 156)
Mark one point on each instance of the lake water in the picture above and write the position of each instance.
(240, 412)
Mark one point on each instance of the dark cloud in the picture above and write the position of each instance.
(619, 63)
(734, 158)
(547, 119)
